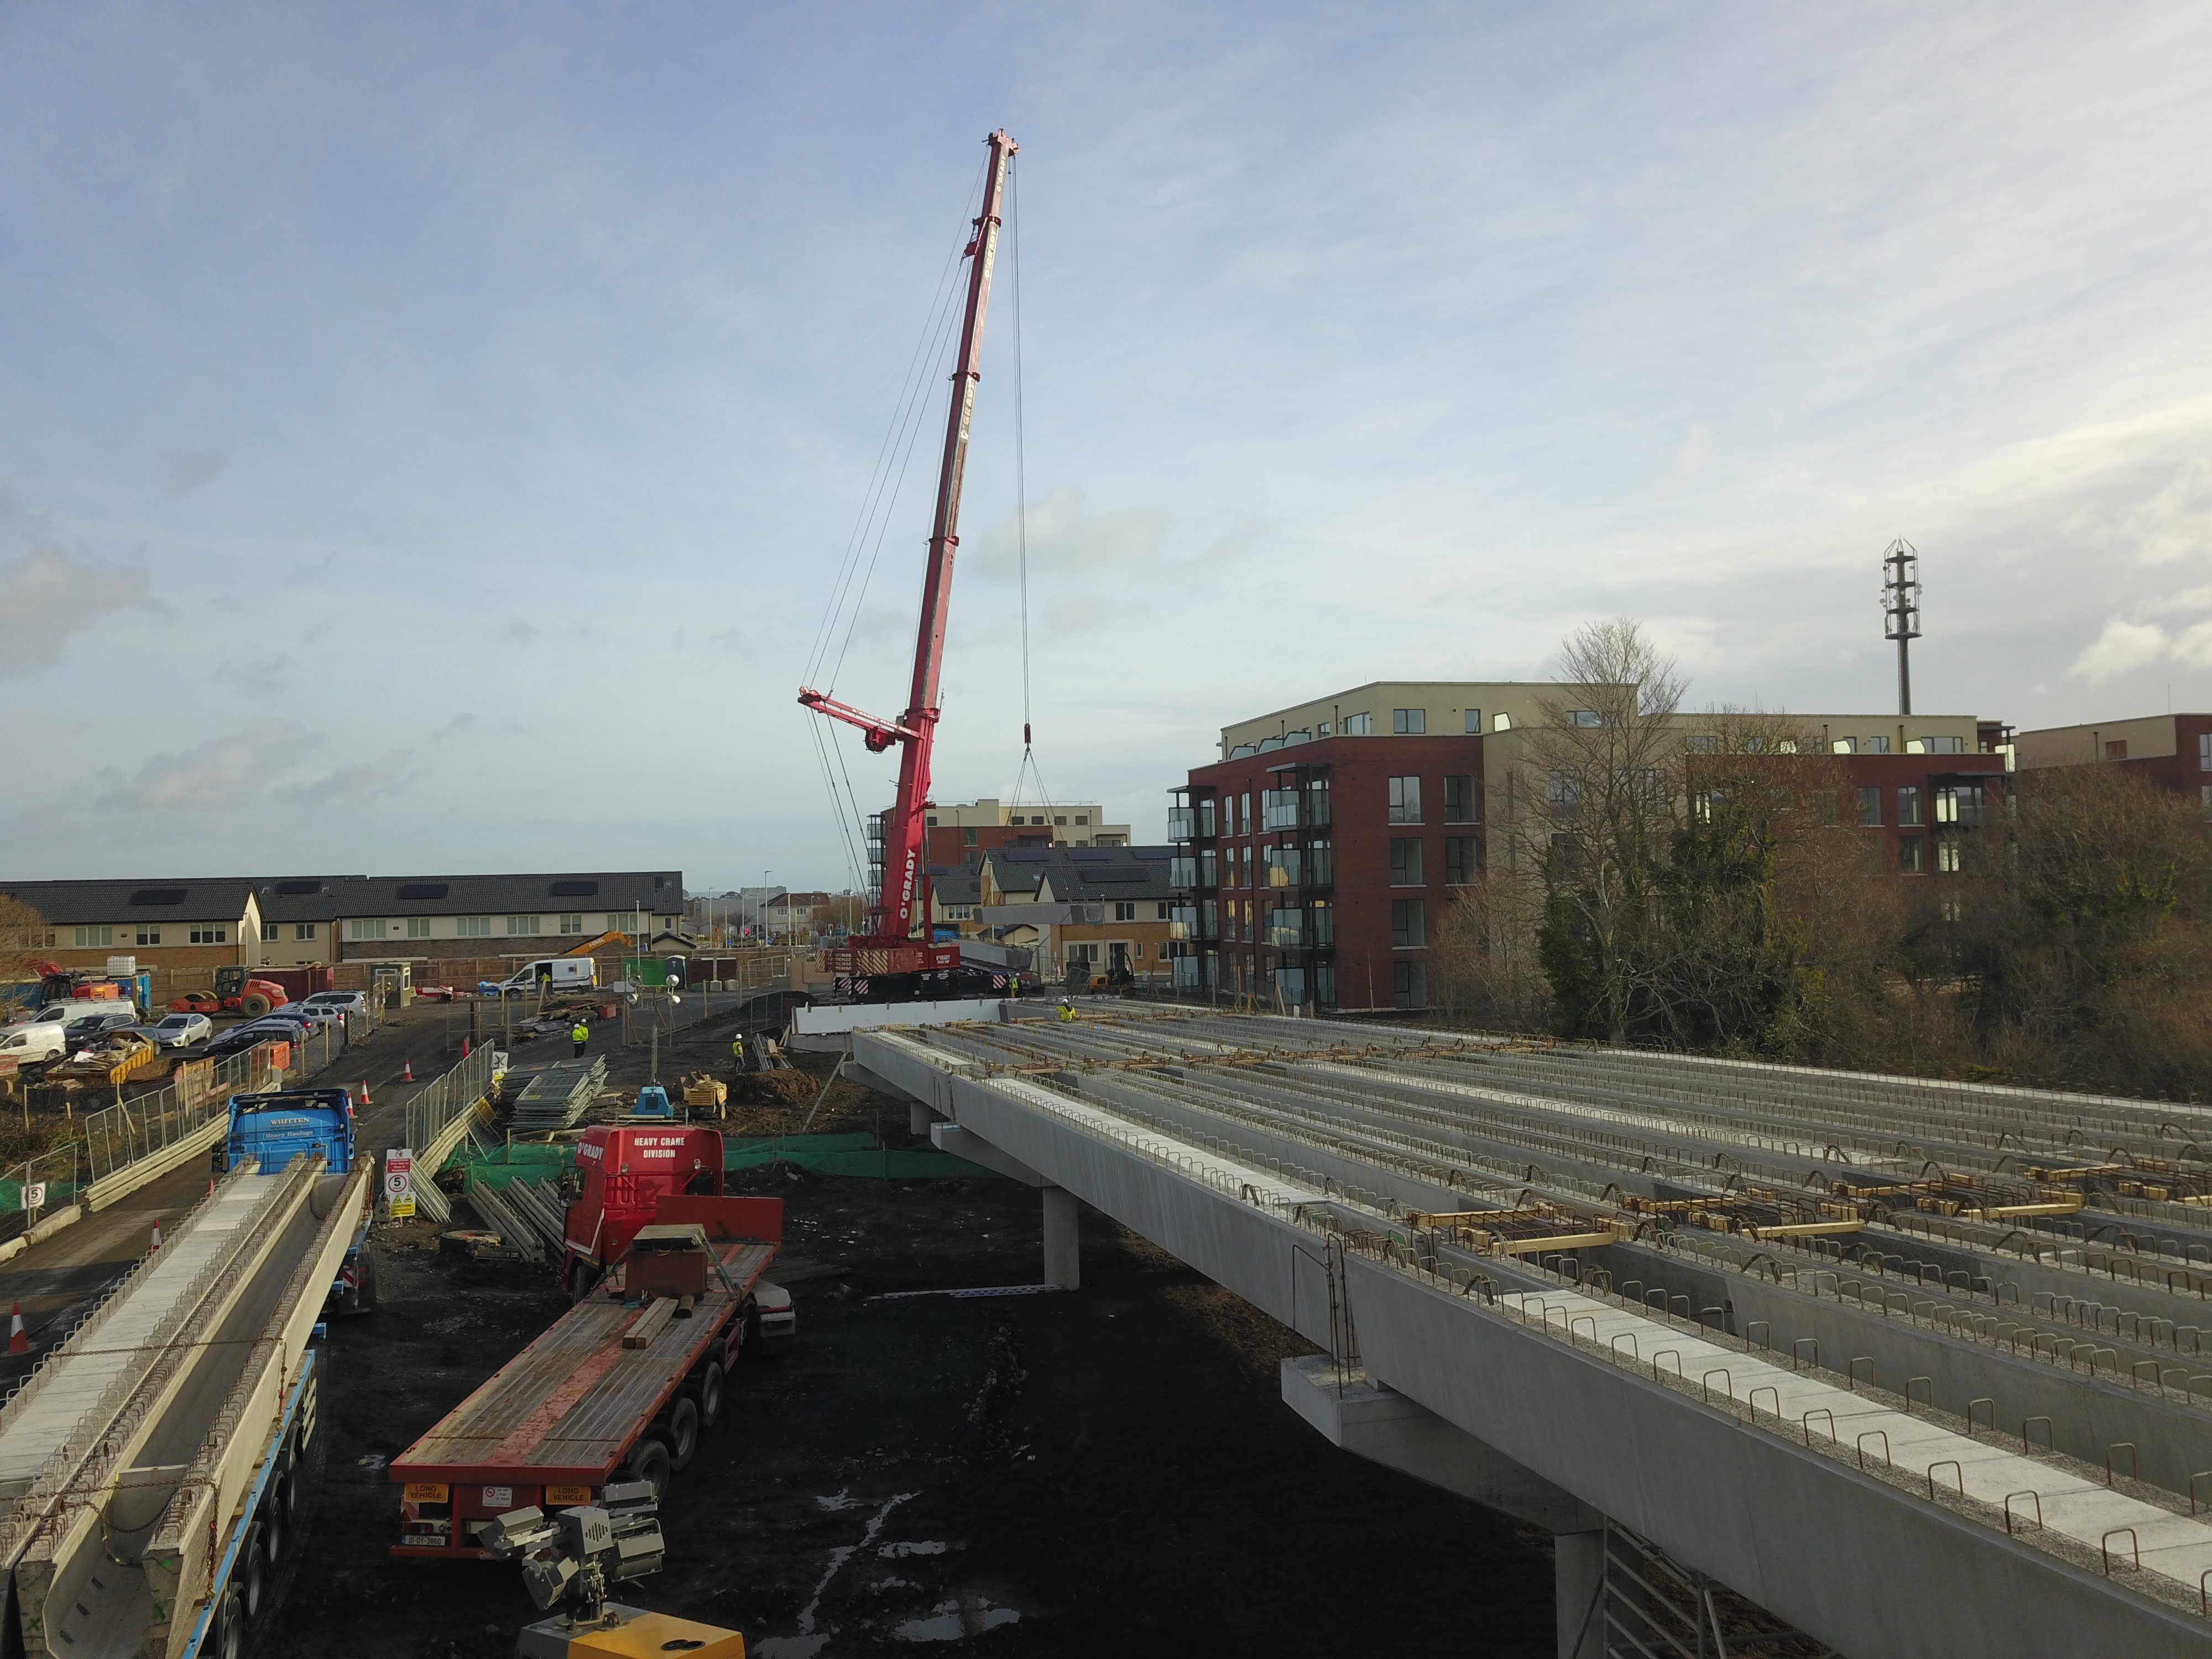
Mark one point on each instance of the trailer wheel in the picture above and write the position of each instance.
(274, 1535)
(583, 1278)
(227, 1639)
(710, 1393)
(364, 1286)
(649, 1461)
(682, 1427)
(253, 1575)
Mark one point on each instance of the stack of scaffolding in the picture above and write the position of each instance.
(528, 1215)
(558, 1097)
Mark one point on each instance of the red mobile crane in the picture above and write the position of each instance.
(889, 951)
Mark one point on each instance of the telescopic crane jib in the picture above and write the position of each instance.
(891, 947)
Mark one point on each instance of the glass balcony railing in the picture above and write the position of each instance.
(1182, 872)
(1182, 823)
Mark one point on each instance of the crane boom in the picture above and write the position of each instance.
(888, 947)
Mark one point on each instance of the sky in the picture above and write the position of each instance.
(429, 435)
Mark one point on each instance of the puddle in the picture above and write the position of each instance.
(899, 1551)
(949, 1621)
(373, 1461)
(831, 1504)
(808, 1641)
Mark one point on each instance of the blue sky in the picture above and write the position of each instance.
(427, 434)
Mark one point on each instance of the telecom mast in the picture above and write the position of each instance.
(890, 948)
(1901, 611)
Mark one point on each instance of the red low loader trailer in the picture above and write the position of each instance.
(620, 1387)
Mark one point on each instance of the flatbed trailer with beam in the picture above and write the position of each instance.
(619, 1387)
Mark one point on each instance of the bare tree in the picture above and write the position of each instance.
(23, 939)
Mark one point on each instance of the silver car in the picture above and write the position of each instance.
(179, 1030)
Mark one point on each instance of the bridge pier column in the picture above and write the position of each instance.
(918, 1118)
(1578, 1592)
(1063, 1242)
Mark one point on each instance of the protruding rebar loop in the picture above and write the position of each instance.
(1752, 1402)
(2026, 1445)
(1797, 1352)
(1851, 1371)
(1955, 1467)
(1629, 1337)
(1929, 1402)
(2134, 1465)
(1806, 1423)
(1871, 1434)
(2025, 1491)
(1705, 1383)
(1983, 1400)
(2135, 1544)
(1661, 1355)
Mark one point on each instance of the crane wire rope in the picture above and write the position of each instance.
(878, 501)
(879, 498)
(1029, 767)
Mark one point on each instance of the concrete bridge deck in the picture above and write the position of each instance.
(1899, 1443)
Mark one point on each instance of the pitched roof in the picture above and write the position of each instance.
(80, 903)
(1088, 874)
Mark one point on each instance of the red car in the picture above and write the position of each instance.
(196, 1002)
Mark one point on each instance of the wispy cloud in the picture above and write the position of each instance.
(50, 593)
(224, 774)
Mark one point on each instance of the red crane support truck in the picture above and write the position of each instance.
(621, 1386)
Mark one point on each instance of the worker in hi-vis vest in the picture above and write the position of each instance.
(737, 1050)
(580, 1036)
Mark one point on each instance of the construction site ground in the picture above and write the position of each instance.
(1105, 1471)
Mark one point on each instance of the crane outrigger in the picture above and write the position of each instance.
(888, 955)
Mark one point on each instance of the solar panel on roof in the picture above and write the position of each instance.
(1119, 872)
(158, 895)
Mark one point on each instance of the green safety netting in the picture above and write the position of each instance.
(855, 1153)
(59, 1193)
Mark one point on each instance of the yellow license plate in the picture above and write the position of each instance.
(567, 1495)
(427, 1491)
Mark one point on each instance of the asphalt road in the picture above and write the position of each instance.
(55, 1279)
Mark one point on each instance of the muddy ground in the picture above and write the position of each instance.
(1106, 1471)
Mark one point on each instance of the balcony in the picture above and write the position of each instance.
(1302, 928)
(1182, 823)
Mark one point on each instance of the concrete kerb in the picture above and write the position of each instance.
(1842, 1555)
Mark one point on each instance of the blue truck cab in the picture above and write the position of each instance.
(276, 1128)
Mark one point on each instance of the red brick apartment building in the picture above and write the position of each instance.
(1316, 859)
(2172, 750)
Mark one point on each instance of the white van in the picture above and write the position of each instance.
(56, 1014)
(554, 973)
(27, 1045)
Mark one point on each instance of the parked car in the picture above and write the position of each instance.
(318, 1013)
(196, 1002)
(32, 1045)
(179, 1030)
(347, 1002)
(87, 1029)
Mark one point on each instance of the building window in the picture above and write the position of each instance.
(1908, 804)
(1474, 722)
(1405, 800)
(2204, 798)
(2204, 751)
(359, 929)
(471, 926)
(931, 822)
(153, 936)
(1060, 819)
(1564, 789)
(1845, 746)
(1164, 907)
(270, 930)
(1409, 985)
(1083, 817)
(1462, 860)
(1584, 717)
(92, 938)
(572, 924)
(1358, 726)
(967, 837)
(1461, 801)
(1702, 743)
(2116, 749)
(418, 926)
(1244, 813)
(1870, 807)
(1245, 858)
(1912, 855)
(1409, 722)
(1944, 745)
(1946, 856)
(303, 930)
(1877, 745)
(522, 925)
(208, 936)
(1407, 932)
(1125, 909)
(1406, 862)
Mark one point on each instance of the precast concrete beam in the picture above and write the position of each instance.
(966, 1143)
(1860, 1563)
(1383, 1426)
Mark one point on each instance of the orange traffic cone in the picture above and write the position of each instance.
(465, 1048)
(156, 1245)
(364, 1091)
(408, 1075)
(19, 1339)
